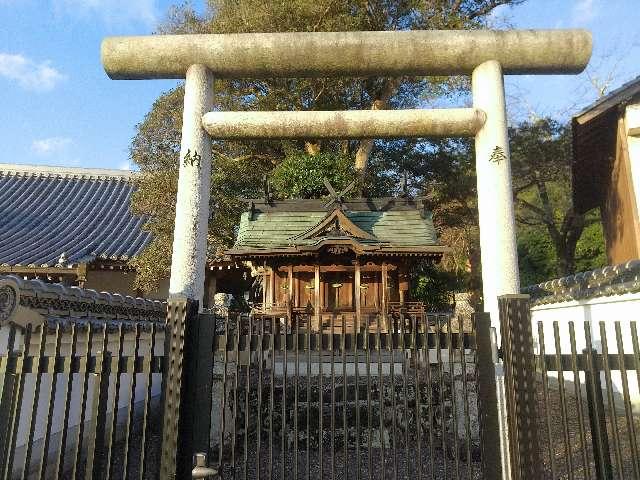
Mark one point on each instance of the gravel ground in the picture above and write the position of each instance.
(401, 456)
(553, 443)
(347, 470)
(433, 461)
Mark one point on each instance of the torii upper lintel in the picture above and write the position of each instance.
(357, 54)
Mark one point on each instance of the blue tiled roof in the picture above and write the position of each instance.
(83, 214)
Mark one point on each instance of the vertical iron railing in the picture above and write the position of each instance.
(62, 385)
(520, 385)
(344, 399)
(260, 397)
(186, 398)
(78, 387)
(587, 418)
(487, 398)
(571, 414)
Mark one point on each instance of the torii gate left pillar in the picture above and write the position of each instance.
(188, 260)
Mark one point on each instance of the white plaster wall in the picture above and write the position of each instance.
(619, 308)
(632, 120)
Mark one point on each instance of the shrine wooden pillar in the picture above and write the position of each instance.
(317, 310)
(403, 283)
(376, 294)
(264, 285)
(290, 294)
(356, 293)
(290, 290)
(383, 306)
(272, 282)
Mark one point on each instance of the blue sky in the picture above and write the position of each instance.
(58, 107)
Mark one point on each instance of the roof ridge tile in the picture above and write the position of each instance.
(81, 173)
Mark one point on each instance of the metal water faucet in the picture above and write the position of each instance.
(200, 469)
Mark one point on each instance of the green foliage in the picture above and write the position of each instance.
(590, 251)
(435, 286)
(301, 175)
(549, 229)
(450, 191)
(149, 271)
(536, 256)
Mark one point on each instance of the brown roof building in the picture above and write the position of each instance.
(606, 168)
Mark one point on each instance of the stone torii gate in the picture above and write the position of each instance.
(485, 55)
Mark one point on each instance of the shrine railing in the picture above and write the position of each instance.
(290, 401)
(80, 382)
(571, 394)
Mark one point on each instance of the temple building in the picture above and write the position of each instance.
(75, 226)
(349, 258)
(308, 257)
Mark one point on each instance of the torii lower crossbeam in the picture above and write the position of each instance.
(416, 123)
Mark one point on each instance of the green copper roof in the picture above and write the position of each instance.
(275, 227)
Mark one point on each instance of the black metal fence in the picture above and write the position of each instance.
(293, 400)
(82, 375)
(569, 395)
(79, 383)
(590, 428)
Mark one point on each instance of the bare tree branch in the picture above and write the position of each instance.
(481, 12)
(535, 209)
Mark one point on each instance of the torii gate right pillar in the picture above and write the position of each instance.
(498, 248)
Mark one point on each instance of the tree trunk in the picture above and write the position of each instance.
(362, 155)
(564, 237)
(366, 144)
(572, 228)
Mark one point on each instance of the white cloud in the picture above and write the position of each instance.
(28, 73)
(499, 16)
(124, 166)
(112, 12)
(47, 146)
(583, 12)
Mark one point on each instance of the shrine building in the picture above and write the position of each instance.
(349, 258)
